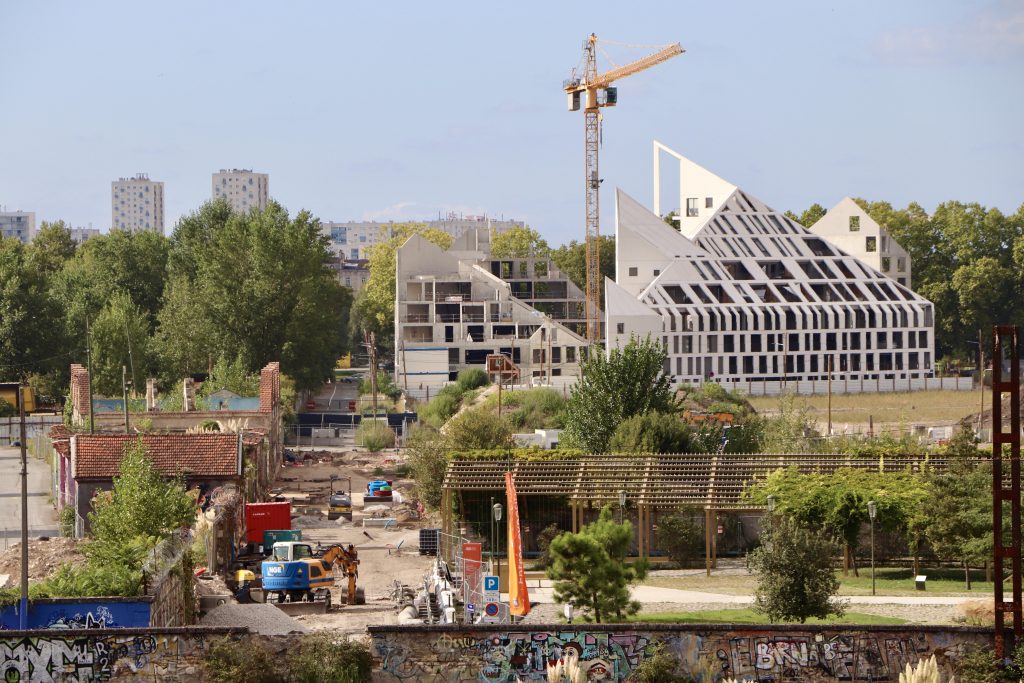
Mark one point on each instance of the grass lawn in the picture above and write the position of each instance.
(889, 581)
(749, 616)
(887, 408)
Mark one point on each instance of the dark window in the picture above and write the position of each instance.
(620, 328)
(632, 272)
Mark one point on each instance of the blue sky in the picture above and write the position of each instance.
(403, 110)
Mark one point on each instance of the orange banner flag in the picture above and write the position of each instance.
(518, 598)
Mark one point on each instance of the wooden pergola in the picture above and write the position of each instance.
(652, 483)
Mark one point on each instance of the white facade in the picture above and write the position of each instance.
(452, 311)
(19, 225)
(351, 240)
(137, 204)
(748, 295)
(243, 189)
(850, 228)
(79, 235)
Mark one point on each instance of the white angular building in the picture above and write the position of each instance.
(137, 204)
(243, 189)
(453, 309)
(740, 294)
(850, 228)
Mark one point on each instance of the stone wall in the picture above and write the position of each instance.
(810, 654)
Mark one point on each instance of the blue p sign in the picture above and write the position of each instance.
(490, 583)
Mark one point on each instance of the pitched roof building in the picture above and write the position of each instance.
(850, 228)
(740, 293)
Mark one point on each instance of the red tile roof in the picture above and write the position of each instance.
(98, 456)
(60, 437)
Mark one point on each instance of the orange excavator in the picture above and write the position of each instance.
(348, 559)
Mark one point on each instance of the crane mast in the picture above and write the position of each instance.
(590, 92)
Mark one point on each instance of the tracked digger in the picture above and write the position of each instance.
(296, 572)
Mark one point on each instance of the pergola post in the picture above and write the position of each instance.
(707, 540)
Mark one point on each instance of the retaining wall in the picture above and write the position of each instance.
(609, 652)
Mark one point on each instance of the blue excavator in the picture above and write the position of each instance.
(297, 573)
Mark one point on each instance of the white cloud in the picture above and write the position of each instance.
(994, 33)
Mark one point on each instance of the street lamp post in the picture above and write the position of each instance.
(622, 504)
(496, 515)
(872, 513)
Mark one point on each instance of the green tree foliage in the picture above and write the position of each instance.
(232, 375)
(51, 248)
(441, 408)
(837, 503)
(133, 263)
(31, 334)
(958, 517)
(791, 429)
(318, 658)
(374, 308)
(385, 386)
(589, 569)
(120, 338)
(627, 381)
(427, 455)
(651, 433)
(256, 286)
(529, 409)
(571, 259)
(518, 242)
(795, 577)
(471, 378)
(681, 535)
(809, 217)
(478, 428)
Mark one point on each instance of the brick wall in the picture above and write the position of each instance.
(807, 654)
(270, 387)
(80, 407)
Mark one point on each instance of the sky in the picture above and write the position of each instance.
(403, 111)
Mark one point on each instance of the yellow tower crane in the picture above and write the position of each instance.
(591, 91)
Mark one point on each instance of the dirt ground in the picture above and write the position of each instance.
(44, 557)
(385, 555)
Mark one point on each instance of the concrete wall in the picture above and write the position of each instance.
(611, 652)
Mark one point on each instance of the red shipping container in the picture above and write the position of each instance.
(260, 517)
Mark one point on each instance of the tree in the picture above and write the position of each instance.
(590, 572)
(120, 338)
(51, 248)
(232, 375)
(257, 286)
(795, 578)
(681, 535)
(571, 259)
(142, 508)
(427, 455)
(518, 242)
(374, 308)
(613, 387)
(959, 514)
(809, 217)
(837, 502)
(478, 429)
(134, 263)
(31, 322)
(185, 337)
(651, 433)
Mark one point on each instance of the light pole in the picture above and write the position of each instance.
(496, 514)
(872, 513)
(622, 504)
(491, 519)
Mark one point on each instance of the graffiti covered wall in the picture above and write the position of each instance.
(79, 613)
(495, 654)
(104, 654)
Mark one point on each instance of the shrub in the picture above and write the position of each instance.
(478, 428)
(651, 433)
(681, 535)
(795, 578)
(539, 408)
(427, 457)
(441, 408)
(67, 521)
(659, 667)
(233, 660)
(6, 409)
(375, 436)
(471, 378)
(320, 659)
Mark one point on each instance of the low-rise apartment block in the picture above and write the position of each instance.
(19, 225)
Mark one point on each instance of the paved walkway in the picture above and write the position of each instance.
(542, 592)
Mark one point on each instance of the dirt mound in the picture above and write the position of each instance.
(44, 557)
